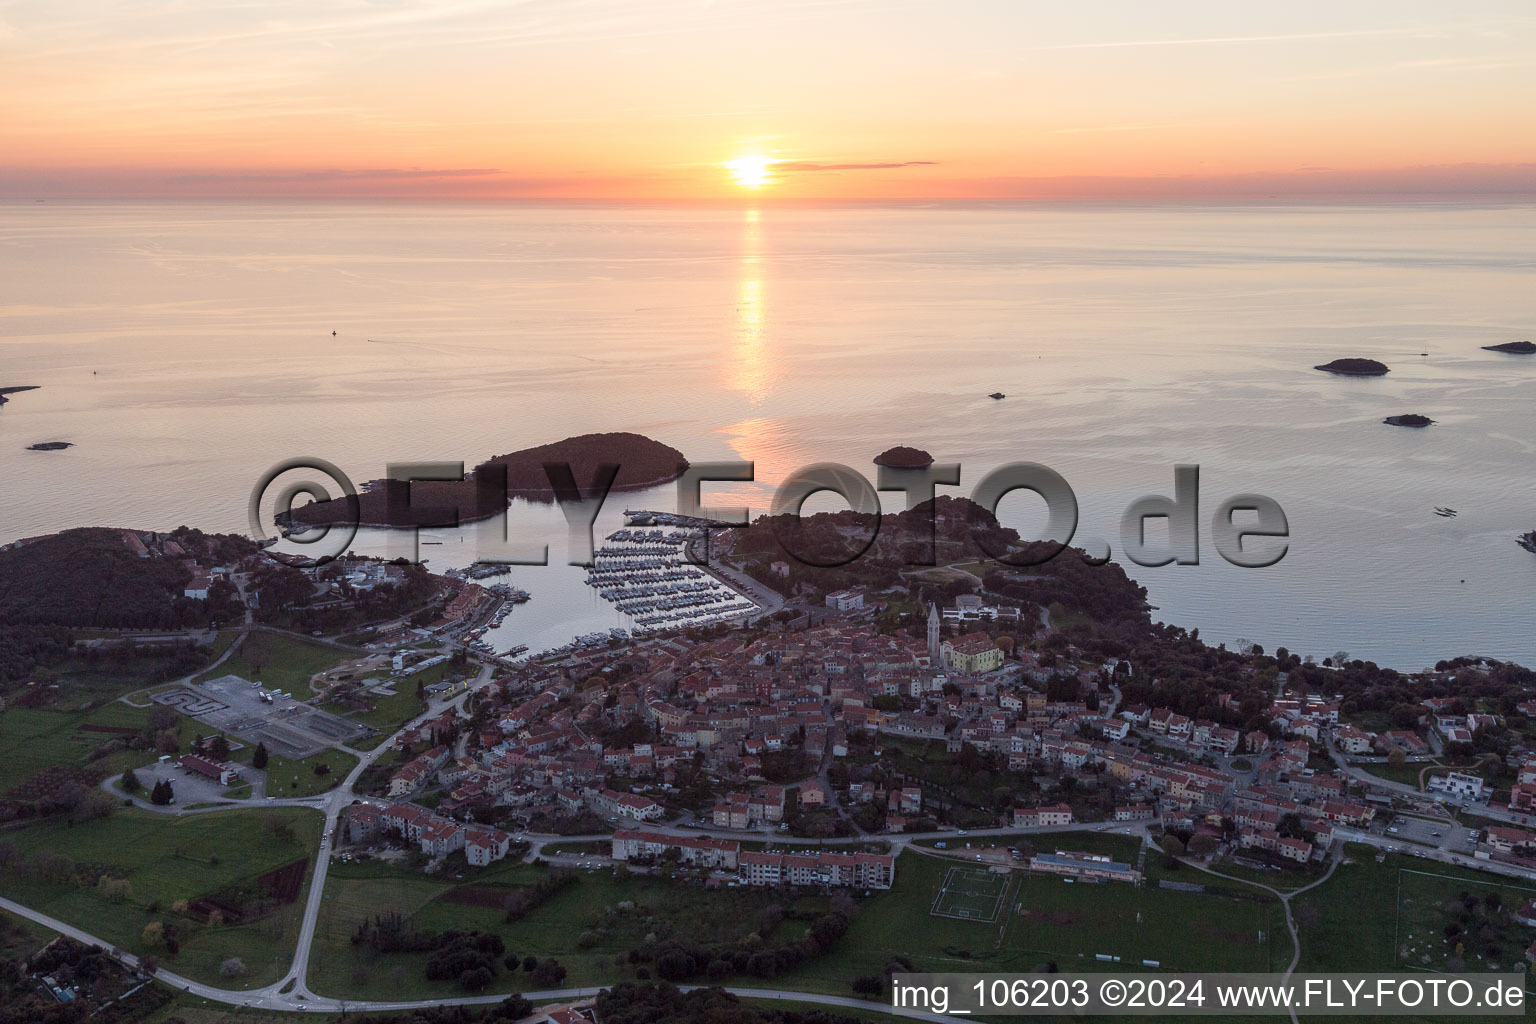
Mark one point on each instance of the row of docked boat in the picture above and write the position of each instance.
(507, 596)
(645, 575)
(588, 641)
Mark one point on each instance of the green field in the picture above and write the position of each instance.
(594, 904)
(1481, 912)
(35, 738)
(1062, 923)
(279, 662)
(1352, 922)
(298, 778)
(970, 894)
(1406, 774)
(166, 858)
(85, 681)
(1285, 879)
(1179, 930)
(19, 937)
(390, 711)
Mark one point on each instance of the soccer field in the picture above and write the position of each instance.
(1130, 924)
(970, 894)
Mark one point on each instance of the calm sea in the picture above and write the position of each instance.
(185, 347)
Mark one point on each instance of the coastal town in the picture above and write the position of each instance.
(790, 728)
(843, 742)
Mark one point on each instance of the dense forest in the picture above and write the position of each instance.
(866, 548)
(24, 648)
(535, 474)
(287, 597)
(942, 531)
(88, 577)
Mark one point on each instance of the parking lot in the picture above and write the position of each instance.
(1437, 833)
(190, 787)
(288, 727)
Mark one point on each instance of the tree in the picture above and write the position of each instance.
(516, 1008)
(1202, 845)
(153, 934)
(674, 965)
(549, 973)
(131, 783)
(1397, 758)
(259, 759)
(218, 748)
(476, 978)
(1172, 846)
(162, 794)
(232, 968)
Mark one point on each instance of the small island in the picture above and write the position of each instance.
(14, 390)
(997, 396)
(1408, 419)
(49, 446)
(642, 463)
(1514, 348)
(1354, 367)
(903, 457)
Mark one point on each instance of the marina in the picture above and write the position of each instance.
(644, 571)
(504, 597)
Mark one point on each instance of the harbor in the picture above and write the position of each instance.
(503, 597)
(644, 571)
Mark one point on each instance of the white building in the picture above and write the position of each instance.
(845, 600)
(1458, 785)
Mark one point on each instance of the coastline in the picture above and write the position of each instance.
(299, 529)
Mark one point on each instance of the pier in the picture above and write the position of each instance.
(643, 571)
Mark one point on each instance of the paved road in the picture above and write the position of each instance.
(1334, 860)
(245, 628)
(337, 800)
(331, 804)
(899, 841)
(1444, 856)
(299, 997)
(1422, 800)
(270, 998)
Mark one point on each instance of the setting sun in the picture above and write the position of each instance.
(749, 171)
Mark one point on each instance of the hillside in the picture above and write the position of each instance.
(962, 532)
(93, 577)
(642, 463)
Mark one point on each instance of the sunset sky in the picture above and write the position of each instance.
(793, 98)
